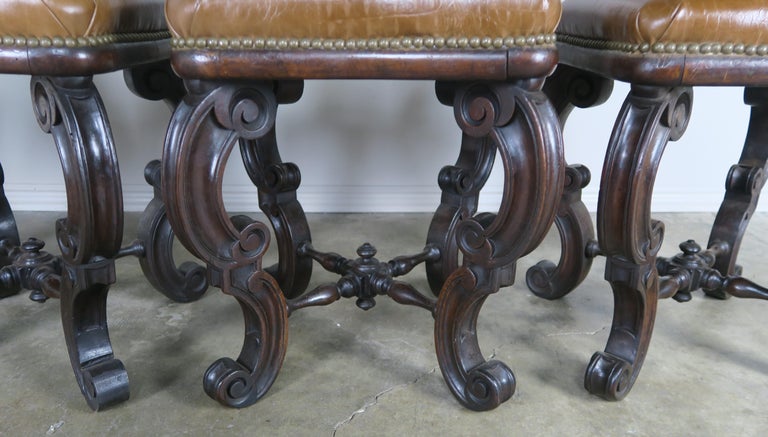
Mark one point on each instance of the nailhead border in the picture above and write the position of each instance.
(406, 43)
(87, 41)
(705, 48)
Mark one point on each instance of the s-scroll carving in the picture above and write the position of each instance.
(204, 129)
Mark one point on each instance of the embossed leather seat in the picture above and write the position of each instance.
(240, 59)
(691, 42)
(306, 38)
(662, 48)
(35, 33)
(62, 44)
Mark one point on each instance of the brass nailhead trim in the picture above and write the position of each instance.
(707, 48)
(88, 41)
(407, 43)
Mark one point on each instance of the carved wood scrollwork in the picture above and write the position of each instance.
(185, 283)
(743, 184)
(204, 129)
(568, 88)
(277, 182)
(71, 110)
(520, 122)
(628, 236)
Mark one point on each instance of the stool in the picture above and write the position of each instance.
(61, 45)
(662, 48)
(241, 59)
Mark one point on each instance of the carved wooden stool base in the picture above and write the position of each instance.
(513, 119)
(90, 237)
(650, 118)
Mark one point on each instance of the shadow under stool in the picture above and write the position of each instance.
(61, 46)
(662, 48)
(241, 59)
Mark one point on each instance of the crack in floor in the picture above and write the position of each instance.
(375, 400)
(561, 334)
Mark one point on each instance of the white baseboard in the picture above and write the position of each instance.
(343, 199)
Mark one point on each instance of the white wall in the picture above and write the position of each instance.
(367, 146)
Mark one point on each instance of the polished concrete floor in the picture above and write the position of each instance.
(349, 372)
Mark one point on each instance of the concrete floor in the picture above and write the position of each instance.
(349, 372)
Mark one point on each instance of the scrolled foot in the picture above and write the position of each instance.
(489, 385)
(185, 283)
(104, 384)
(478, 384)
(608, 376)
(230, 384)
(539, 279)
(552, 281)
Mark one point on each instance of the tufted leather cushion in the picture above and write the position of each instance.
(351, 24)
(77, 22)
(682, 26)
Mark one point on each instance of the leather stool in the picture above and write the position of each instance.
(61, 45)
(662, 48)
(241, 59)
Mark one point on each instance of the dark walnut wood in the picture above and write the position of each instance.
(154, 246)
(90, 237)
(514, 119)
(743, 184)
(522, 124)
(277, 183)
(86, 60)
(501, 64)
(568, 88)
(628, 237)
(655, 112)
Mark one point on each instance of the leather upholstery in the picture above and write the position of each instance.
(72, 19)
(649, 22)
(360, 19)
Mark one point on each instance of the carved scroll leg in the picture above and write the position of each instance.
(743, 185)
(72, 111)
(460, 184)
(102, 378)
(186, 283)
(203, 131)
(577, 239)
(277, 182)
(628, 237)
(9, 235)
(478, 384)
(568, 88)
(243, 382)
(522, 125)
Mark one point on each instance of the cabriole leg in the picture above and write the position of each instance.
(628, 236)
(519, 121)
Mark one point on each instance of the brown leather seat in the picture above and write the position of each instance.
(228, 21)
(695, 40)
(354, 28)
(716, 27)
(32, 31)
